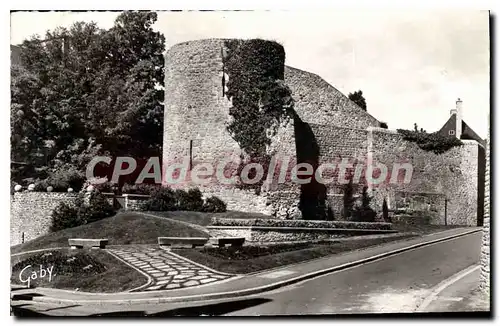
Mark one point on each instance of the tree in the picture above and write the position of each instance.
(357, 97)
(385, 211)
(85, 91)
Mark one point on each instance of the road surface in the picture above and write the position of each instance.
(396, 284)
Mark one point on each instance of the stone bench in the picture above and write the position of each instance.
(182, 242)
(88, 243)
(233, 241)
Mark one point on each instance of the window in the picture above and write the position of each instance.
(451, 132)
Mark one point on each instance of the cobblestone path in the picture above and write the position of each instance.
(167, 271)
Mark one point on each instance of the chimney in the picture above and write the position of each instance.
(458, 109)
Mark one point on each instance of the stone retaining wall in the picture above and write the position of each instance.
(30, 213)
(259, 234)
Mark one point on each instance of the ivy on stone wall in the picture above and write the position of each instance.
(431, 142)
(260, 98)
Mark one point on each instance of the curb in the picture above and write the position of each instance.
(251, 291)
(436, 290)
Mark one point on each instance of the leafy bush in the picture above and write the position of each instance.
(98, 209)
(384, 125)
(189, 201)
(432, 142)
(218, 221)
(166, 199)
(64, 178)
(162, 199)
(104, 187)
(75, 214)
(65, 216)
(140, 189)
(41, 185)
(364, 213)
(214, 205)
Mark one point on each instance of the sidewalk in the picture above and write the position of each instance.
(250, 284)
(461, 294)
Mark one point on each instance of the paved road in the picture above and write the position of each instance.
(394, 284)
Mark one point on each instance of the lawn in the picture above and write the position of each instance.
(123, 228)
(205, 219)
(83, 270)
(250, 259)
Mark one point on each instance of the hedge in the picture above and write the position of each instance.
(218, 221)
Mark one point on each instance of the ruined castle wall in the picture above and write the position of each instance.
(196, 114)
(195, 108)
(453, 173)
(316, 101)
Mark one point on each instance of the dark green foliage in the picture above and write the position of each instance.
(98, 209)
(41, 185)
(432, 142)
(75, 214)
(385, 211)
(66, 177)
(258, 93)
(162, 199)
(105, 187)
(357, 97)
(85, 91)
(65, 216)
(166, 199)
(214, 205)
(189, 200)
(364, 213)
(218, 221)
(384, 125)
(348, 199)
(140, 188)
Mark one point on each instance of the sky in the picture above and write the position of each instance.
(411, 65)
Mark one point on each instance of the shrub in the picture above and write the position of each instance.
(432, 142)
(65, 216)
(41, 185)
(189, 201)
(385, 211)
(364, 213)
(64, 178)
(214, 205)
(384, 125)
(140, 189)
(162, 199)
(218, 221)
(98, 208)
(104, 187)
